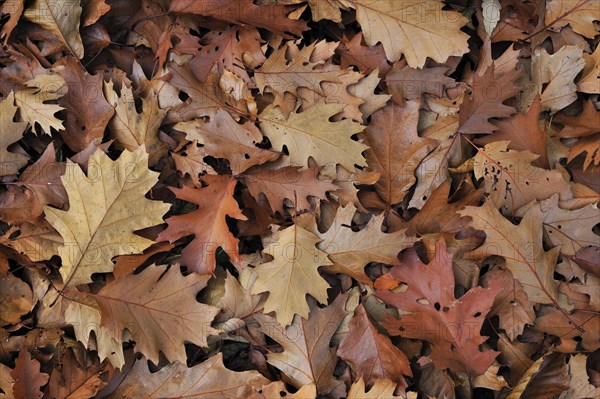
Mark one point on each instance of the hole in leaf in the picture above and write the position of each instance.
(183, 96)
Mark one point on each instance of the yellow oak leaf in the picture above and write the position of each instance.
(62, 19)
(132, 129)
(292, 274)
(32, 101)
(105, 208)
(310, 133)
(415, 29)
(350, 251)
(580, 14)
(10, 132)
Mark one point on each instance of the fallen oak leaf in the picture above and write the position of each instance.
(365, 90)
(521, 246)
(291, 184)
(269, 16)
(311, 134)
(105, 208)
(295, 264)
(432, 313)
(32, 101)
(409, 83)
(126, 264)
(277, 390)
(512, 306)
(191, 162)
(309, 74)
(380, 390)
(439, 214)
(589, 81)
(512, 181)
(229, 49)
(572, 230)
(73, 381)
(367, 58)
(547, 376)
(308, 357)
(579, 385)
(580, 125)
(42, 180)
(131, 129)
(203, 99)
(14, 8)
(554, 76)
(62, 19)
(10, 132)
(392, 23)
(207, 223)
(92, 11)
(433, 169)
(580, 14)
(28, 379)
(16, 299)
(207, 380)
(395, 152)
(146, 303)
(6, 382)
(490, 90)
(579, 330)
(350, 251)
(590, 145)
(523, 132)
(371, 354)
(223, 137)
(87, 111)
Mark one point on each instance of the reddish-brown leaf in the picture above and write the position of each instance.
(371, 354)
(289, 184)
(28, 379)
(395, 149)
(434, 314)
(244, 12)
(208, 224)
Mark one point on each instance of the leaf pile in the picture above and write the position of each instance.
(300, 198)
